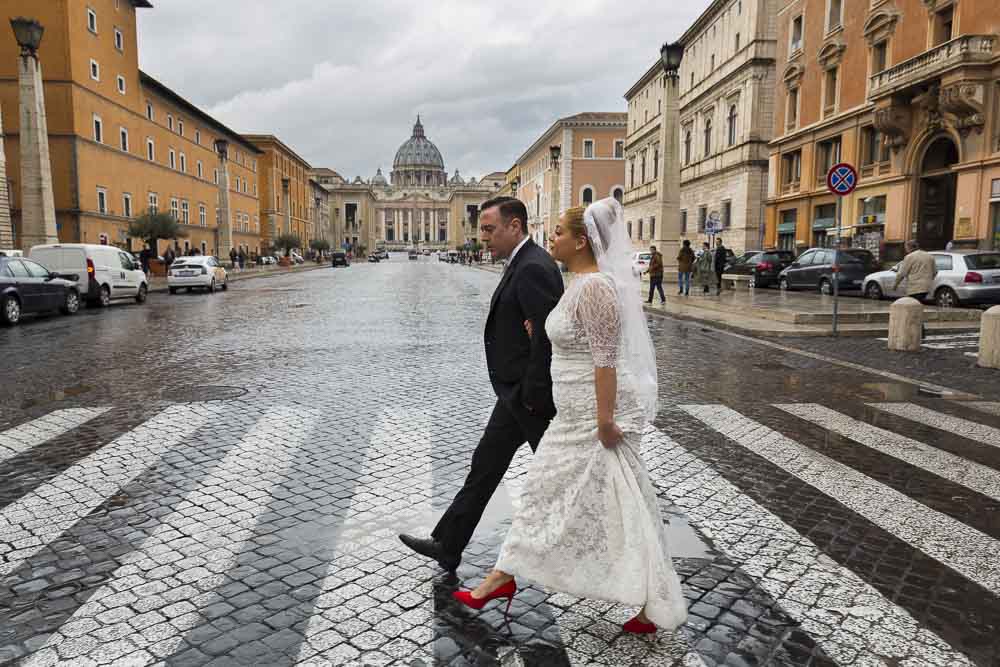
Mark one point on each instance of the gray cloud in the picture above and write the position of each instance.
(341, 82)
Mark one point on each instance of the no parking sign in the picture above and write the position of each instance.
(842, 179)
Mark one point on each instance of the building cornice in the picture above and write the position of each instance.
(256, 139)
(575, 122)
(651, 73)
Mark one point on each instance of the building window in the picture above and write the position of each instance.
(127, 205)
(791, 169)
(121, 84)
(727, 214)
(92, 20)
(588, 195)
(733, 118)
(652, 229)
(830, 90)
(123, 137)
(687, 147)
(172, 159)
(632, 173)
(873, 147)
(786, 229)
(588, 148)
(200, 168)
(95, 70)
(629, 229)
(835, 15)
(792, 113)
(119, 40)
(150, 150)
(880, 56)
(216, 178)
(640, 229)
(828, 153)
(184, 163)
(795, 41)
(154, 203)
(642, 167)
(202, 215)
(737, 42)
(174, 208)
(180, 127)
(944, 23)
(708, 137)
(185, 212)
(619, 149)
(712, 64)
(684, 222)
(656, 162)
(98, 129)
(702, 218)
(197, 137)
(170, 122)
(102, 201)
(149, 111)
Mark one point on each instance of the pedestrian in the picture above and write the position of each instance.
(719, 263)
(685, 265)
(918, 270)
(232, 258)
(169, 257)
(704, 271)
(241, 257)
(655, 274)
(949, 246)
(144, 256)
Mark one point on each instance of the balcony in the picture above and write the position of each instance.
(964, 50)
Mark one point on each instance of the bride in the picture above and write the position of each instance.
(588, 523)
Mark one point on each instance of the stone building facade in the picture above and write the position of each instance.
(726, 118)
(907, 91)
(644, 156)
(286, 200)
(120, 141)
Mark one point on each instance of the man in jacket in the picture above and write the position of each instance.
(518, 365)
(918, 270)
(655, 274)
(719, 262)
(685, 265)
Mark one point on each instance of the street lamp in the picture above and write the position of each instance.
(554, 153)
(222, 148)
(28, 33)
(670, 57)
(669, 184)
(513, 186)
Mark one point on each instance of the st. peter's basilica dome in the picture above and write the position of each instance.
(418, 161)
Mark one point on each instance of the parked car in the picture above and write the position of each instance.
(962, 277)
(453, 256)
(105, 272)
(197, 272)
(814, 269)
(442, 256)
(373, 258)
(640, 262)
(412, 254)
(296, 257)
(339, 259)
(427, 252)
(29, 287)
(763, 266)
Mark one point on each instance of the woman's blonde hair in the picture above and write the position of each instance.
(573, 219)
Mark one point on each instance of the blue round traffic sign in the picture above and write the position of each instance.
(842, 179)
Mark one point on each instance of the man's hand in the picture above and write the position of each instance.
(529, 328)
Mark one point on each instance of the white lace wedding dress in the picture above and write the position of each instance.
(588, 523)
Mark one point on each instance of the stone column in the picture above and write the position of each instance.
(668, 189)
(285, 188)
(6, 227)
(989, 339)
(225, 222)
(906, 320)
(38, 208)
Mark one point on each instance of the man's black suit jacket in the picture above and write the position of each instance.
(518, 364)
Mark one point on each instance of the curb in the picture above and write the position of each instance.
(240, 276)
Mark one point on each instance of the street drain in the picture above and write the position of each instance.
(201, 394)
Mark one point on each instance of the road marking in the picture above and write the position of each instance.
(946, 336)
(969, 474)
(957, 345)
(963, 427)
(989, 407)
(39, 517)
(189, 553)
(954, 544)
(848, 618)
(31, 434)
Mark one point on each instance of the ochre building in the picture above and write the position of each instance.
(909, 92)
(120, 141)
(286, 201)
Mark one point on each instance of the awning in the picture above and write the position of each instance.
(824, 223)
(786, 227)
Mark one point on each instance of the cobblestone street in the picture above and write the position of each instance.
(220, 480)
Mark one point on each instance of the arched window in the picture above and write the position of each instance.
(687, 147)
(618, 194)
(708, 137)
(588, 196)
(733, 117)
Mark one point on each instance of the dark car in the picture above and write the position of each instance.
(28, 287)
(763, 266)
(814, 269)
(339, 259)
(374, 258)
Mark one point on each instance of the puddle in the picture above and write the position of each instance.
(56, 395)
(684, 540)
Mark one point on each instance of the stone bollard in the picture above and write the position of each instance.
(989, 338)
(906, 320)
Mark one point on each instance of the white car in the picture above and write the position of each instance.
(104, 273)
(640, 262)
(962, 277)
(199, 272)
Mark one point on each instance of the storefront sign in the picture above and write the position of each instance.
(963, 229)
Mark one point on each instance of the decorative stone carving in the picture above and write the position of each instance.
(881, 23)
(928, 105)
(965, 102)
(792, 76)
(895, 122)
(831, 53)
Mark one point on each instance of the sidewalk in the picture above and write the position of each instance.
(159, 283)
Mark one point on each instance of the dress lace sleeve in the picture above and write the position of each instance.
(597, 316)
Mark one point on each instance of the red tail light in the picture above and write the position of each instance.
(973, 277)
(765, 266)
(90, 267)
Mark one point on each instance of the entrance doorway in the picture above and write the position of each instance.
(936, 203)
(995, 223)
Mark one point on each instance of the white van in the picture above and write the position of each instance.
(104, 272)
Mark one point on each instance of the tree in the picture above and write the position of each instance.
(319, 245)
(152, 227)
(287, 242)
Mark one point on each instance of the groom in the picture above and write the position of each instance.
(518, 366)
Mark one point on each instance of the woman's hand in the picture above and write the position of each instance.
(609, 434)
(529, 328)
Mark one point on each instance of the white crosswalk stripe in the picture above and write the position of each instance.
(848, 618)
(989, 407)
(951, 542)
(21, 438)
(42, 515)
(969, 474)
(971, 430)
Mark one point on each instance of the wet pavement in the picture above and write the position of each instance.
(219, 479)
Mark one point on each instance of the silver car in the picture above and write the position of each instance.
(962, 277)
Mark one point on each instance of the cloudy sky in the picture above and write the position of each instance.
(341, 82)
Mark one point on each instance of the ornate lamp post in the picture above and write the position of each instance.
(38, 209)
(555, 194)
(669, 186)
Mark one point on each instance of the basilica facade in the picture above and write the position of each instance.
(417, 206)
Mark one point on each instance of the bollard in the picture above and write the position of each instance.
(989, 338)
(906, 320)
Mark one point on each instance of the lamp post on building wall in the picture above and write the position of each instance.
(555, 152)
(669, 187)
(38, 208)
(225, 225)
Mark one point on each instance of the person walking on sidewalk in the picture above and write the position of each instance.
(704, 273)
(655, 274)
(918, 270)
(685, 265)
(720, 261)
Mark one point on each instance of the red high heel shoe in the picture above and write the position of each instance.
(637, 627)
(505, 591)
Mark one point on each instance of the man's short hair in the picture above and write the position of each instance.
(912, 244)
(652, 247)
(510, 208)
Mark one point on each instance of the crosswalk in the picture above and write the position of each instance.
(968, 343)
(162, 593)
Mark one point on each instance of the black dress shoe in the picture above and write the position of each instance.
(432, 549)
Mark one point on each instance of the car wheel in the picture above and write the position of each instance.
(211, 287)
(72, 303)
(11, 311)
(874, 292)
(783, 284)
(225, 285)
(946, 298)
(825, 287)
(105, 298)
(173, 290)
(140, 296)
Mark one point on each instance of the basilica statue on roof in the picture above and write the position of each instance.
(418, 206)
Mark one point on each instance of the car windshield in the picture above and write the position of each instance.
(983, 261)
(855, 256)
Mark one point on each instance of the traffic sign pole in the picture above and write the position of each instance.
(841, 181)
(836, 271)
